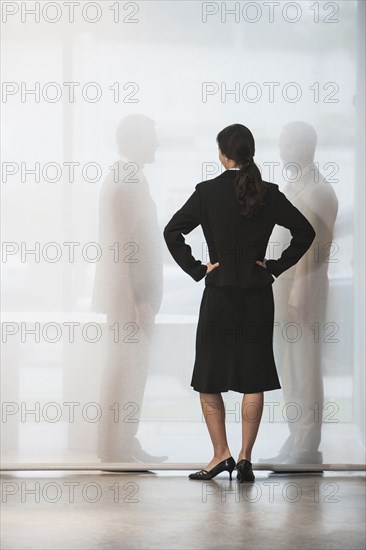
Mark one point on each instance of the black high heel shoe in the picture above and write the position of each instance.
(245, 472)
(227, 464)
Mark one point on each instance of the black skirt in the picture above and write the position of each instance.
(234, 341)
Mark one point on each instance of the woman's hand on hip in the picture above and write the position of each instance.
(263, 264)
(211, 266)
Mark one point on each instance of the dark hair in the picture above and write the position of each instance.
(237, 143)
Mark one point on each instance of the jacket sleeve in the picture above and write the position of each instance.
(303, 233)
(183, 222)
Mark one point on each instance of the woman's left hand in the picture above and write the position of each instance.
(211, 266)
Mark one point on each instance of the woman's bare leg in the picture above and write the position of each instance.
(214, 412)
(252, 409)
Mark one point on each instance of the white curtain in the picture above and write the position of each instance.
(110, 112)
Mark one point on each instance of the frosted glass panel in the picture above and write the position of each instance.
(110, 113)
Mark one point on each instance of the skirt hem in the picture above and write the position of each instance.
(236, 390)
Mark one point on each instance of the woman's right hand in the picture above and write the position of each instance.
(210, 267)
(263, 264)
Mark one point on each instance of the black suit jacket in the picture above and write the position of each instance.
(232, 240)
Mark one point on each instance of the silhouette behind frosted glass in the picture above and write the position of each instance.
(129, 290)
(301, 297)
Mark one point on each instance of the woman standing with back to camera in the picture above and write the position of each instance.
(234, 341)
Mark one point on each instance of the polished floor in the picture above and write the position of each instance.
(166, 510)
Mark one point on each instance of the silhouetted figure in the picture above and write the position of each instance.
(128, 289)
(301, 297)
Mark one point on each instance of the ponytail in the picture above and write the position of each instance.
(250, 188)
(236, 142)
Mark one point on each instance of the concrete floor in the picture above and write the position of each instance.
(166, 510)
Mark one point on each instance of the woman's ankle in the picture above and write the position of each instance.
(246, 456)
(222, 455)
